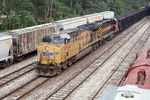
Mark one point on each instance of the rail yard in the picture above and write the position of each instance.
(86, 79)
(72, 65)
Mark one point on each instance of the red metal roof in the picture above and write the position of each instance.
(139, 72)
(143, 59)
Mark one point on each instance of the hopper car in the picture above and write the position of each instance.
(136, 84)
(26, 40)
(57, 51)
(128, 19)
(77, 21)
(6, 51)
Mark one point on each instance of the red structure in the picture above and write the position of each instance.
(139, 71)
(136, 85)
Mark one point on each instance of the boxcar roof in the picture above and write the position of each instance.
(32, 28)
(4, 36)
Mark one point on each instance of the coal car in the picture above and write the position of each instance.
(132, 17)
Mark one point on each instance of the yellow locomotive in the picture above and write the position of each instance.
(57, 51)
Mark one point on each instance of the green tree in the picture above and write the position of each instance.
(25, 13)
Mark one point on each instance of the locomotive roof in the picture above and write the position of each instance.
(94, 25)
(91, 26)
(76, 31)
(70, 32)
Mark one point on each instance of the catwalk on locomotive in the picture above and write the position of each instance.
(58, 51)
(136, 82)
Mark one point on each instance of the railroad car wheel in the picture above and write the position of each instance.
(19, 59)
(58, 71)
(4, 65)
(100, 43)
(94, 47)
(104, 40)
(97, 45)
(1, 67)
(64, 67)
(10, 61)
(70, 63)
(53, 72)
(45, 70)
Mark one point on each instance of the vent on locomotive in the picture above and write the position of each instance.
(49, 50)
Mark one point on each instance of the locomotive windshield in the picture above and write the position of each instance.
(46, 38)
(57, 40)
(53, 39)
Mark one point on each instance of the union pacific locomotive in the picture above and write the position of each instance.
(136, 84)
(58, 51)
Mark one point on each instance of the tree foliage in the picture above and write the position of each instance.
(24, 13)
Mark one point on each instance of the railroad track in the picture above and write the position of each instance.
(16, 67)
(16, 74)
(64, 92)
(114, 79)
(90, 86)
(30, 86)
(55, 87)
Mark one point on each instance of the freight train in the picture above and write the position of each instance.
(26, 40)
(136, 84)
(57, 51)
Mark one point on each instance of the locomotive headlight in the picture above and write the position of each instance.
(38, 59)
(47, 48)
(50, 61)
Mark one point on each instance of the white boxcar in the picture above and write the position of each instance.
(6, 48)
(72, 22)
(94, 17)
(108, 15)
(77, 21)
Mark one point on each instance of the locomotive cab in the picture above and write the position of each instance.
(49, 49)
(49, 54)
